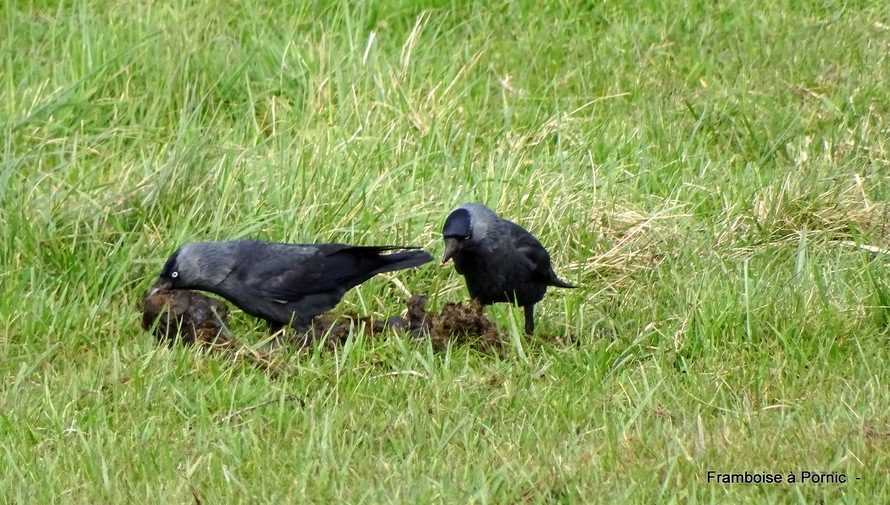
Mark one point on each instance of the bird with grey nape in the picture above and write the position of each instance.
(285, 284)
(500, 260)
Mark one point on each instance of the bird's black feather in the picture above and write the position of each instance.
(457, 225)
(282, 283)
(501, 262)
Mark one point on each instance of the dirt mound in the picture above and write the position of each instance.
(456, 323)
(195, 318)
(189, 316)
(333, 329)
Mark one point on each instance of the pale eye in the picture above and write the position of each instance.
(174, 275)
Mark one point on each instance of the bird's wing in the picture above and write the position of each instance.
(348, 266)
(292, 272)
(286, 274)
(531, 250)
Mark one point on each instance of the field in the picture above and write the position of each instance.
(714, 175)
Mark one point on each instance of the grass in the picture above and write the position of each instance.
(714, 176)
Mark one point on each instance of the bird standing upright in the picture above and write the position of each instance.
(500, 260)
(285, 284)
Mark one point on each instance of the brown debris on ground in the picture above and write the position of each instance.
(195, 318)
(455, 323)
(334, 329)
(191, 316)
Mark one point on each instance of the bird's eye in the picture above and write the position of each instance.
(466, 237)
(174, 275)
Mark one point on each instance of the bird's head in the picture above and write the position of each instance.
(465, 227)
(194, 266)
(172, 275)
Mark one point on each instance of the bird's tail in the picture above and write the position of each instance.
(556, 281)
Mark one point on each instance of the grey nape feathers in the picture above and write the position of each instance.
(500, 260)
(285, 284)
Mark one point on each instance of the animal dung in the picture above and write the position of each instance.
(334, 329)
(195, 318)
(455, 323)
(185, 315)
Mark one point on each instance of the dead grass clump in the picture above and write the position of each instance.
(844, 212)
(633, 241)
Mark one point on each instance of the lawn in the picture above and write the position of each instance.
(715, 176)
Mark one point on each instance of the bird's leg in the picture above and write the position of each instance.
(277, 334)
(304, 333)
(529, 319)
(275, 328)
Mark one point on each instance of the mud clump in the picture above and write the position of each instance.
(189, 316)
(456, 323)
(197, 319)
(334, 329)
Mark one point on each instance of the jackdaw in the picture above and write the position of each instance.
(285, 284)
(500, 260)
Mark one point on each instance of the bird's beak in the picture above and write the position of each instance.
(160, 285)
(451, 247)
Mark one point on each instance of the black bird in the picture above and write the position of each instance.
(285, 284)
(500, 260)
